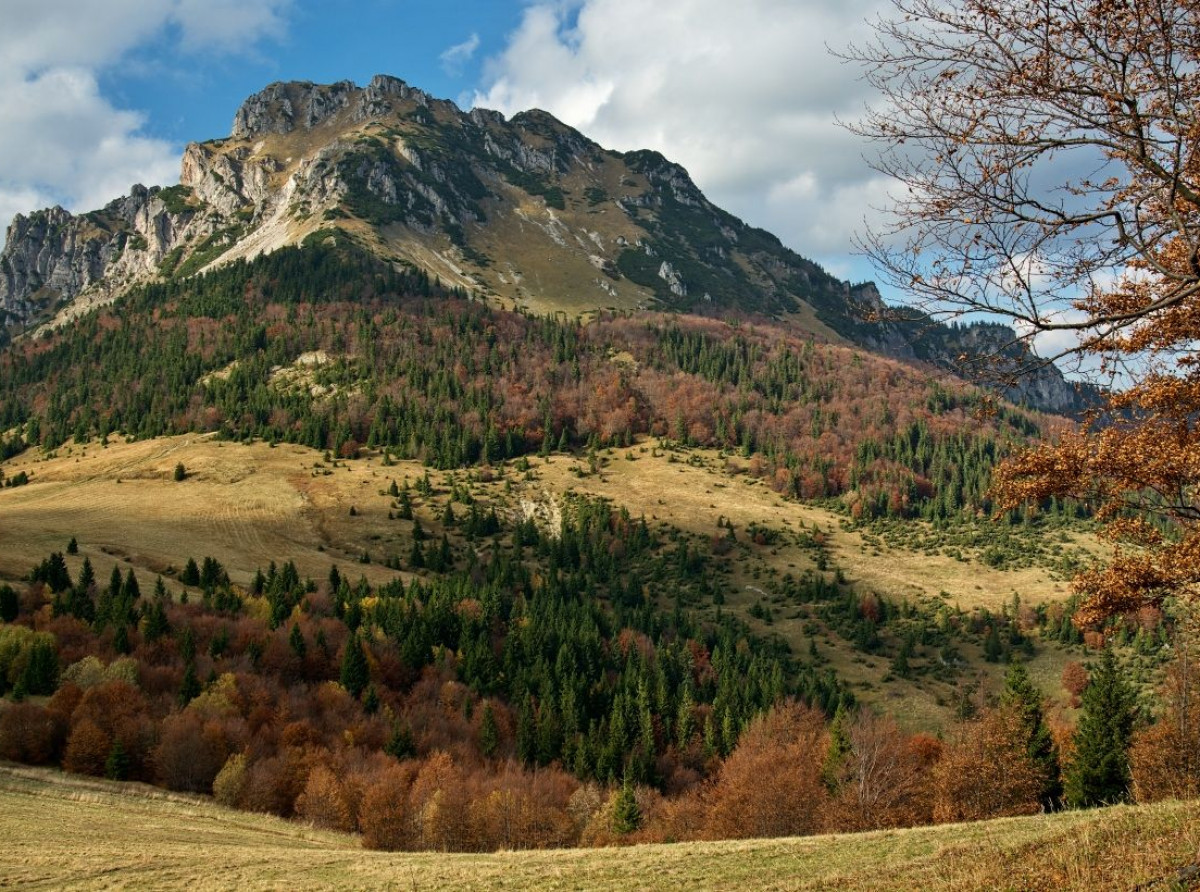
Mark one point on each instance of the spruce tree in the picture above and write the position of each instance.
(839, 749)
(627, 816)
(400, 744)
(40, 675)
(191, 573)
(1099, 772)
(190, 688)
(356, 675)
(296, 642)
(489, 735)
(10, 604)
(116, 767)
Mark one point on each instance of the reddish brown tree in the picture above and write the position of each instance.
(1049, 172)
(985, 771)
(771, 783)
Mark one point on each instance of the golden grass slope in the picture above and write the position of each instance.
(66, 832)
(248, 505)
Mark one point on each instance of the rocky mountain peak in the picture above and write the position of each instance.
(281, 107)
(526, 212)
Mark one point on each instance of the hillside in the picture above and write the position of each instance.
(66, 832)
(251, 504)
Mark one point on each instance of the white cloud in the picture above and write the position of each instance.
(229, 25)
(454, 58)
(744, 95)
(61, 140)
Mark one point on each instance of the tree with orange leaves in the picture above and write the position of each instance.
(1048, 158)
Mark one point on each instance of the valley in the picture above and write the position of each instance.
(438, 480)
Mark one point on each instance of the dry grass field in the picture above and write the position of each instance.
(248, 505)
(245, 505)
(67, 832)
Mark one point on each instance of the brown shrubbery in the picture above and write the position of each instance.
(1165, 758)
(985, 771)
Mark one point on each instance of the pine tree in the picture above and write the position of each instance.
(371, 700)
(10, 604)
(190, 688)
(627, 816)
(900, 665)
(1021, 694)
(121, 643)
(400, 744)
(356, 675)
(116, 767)
(489, 736)
(296, 642)
(40, 675)
(685, 722)
(993, 649)
(839, 749)
(191, 573)
(155, 624)
(1099, 772)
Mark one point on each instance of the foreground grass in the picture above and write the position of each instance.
(63, 832)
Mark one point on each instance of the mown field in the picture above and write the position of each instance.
(67, 832)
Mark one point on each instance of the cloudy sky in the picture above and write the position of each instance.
(97, 96)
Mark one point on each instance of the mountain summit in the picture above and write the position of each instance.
(526, 212)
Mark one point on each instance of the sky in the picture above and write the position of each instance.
(97, 96)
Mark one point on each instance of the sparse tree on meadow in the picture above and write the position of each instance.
(1099, 770)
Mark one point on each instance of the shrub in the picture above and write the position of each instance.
(230, 781)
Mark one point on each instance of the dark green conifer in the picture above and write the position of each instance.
(489, 735)
(627, 815)
(355, 674)
(1099, 772)
(1021, 695)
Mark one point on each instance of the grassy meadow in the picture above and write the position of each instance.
(68, 832)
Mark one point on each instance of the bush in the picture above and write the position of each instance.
(31, 734)
(87, 749)
(230, 781)
(385, 819)
(326, 801)
(191, 754)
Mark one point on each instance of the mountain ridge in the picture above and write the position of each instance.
(524, 211)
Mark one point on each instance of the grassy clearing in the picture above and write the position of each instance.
(691, 490)
(66, 832)
(245, 505)
(250, 504)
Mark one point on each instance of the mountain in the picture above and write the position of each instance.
(526, 211)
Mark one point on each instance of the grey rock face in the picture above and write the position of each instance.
(282, 107)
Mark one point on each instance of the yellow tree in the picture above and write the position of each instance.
(1046, 158)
